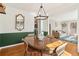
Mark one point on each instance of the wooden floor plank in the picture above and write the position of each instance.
(72, 48)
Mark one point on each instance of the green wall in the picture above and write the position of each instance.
(12, 38)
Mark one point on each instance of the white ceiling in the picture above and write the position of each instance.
(50, 8)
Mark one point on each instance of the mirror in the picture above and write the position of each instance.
(19, 22)
(41, 27)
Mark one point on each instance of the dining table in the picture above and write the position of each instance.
(45, 44)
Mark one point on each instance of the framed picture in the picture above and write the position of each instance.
(19, 22)
(64, 27)
(64, 24)
(73, 27)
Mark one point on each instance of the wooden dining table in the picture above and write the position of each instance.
(42, 45)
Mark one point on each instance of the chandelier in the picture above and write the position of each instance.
(41, 14)
(2, 9)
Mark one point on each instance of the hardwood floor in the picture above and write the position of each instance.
(72, 48)
(19, 50)
(78, 53)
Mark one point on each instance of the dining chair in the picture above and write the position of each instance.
(60, 50)
(29, 51)
(26, 47)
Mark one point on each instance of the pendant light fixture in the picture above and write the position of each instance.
(41, 14)
(2, 9)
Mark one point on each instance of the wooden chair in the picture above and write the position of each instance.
(26, 47)
(60, 50)
(29, 51)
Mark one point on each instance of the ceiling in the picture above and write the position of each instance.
(50, 8)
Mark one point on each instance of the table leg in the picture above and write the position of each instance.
(41, 52)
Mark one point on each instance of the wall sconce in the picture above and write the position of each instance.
(2, 9)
